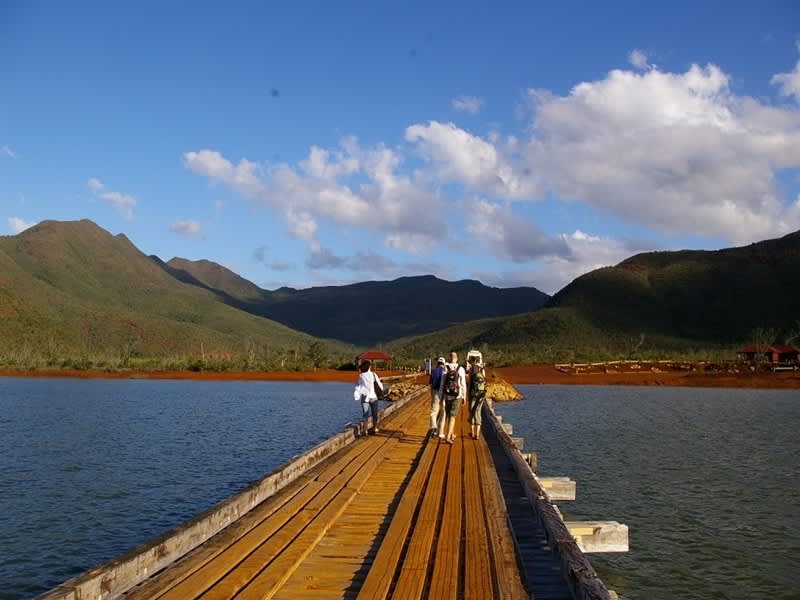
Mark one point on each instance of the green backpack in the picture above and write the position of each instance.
(478, 383)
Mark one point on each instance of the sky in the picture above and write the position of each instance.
(326, 143)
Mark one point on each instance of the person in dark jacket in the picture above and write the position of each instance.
(437, 406)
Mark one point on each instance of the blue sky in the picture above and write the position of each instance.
(324, 143)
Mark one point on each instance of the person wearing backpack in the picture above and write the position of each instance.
(366, 391)
(477, 394)
(453, 391)
(437, 406)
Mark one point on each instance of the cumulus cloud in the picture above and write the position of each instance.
(187, 228)
(469, 104)
(18, 225)
(552, 272)
(676, 152)
(8, 152)
(122, 202)
(488, 166)
(499, 228)
(349, 185)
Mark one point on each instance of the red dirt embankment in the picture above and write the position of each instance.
(318, 375)
(744, 379)
(531, 374)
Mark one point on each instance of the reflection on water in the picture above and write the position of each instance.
(93, 468)
(706, 479)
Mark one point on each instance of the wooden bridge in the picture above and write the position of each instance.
(399, 514)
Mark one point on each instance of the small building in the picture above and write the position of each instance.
(773, 353)
(377, 357)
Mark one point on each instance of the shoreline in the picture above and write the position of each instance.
(542, 374)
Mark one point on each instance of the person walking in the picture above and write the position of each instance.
(437, 406)
(454, 392)
(366, 391)
(477, 394)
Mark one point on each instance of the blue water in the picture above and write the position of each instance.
(706, 479)
(91, 468)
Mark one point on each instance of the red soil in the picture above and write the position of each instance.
(532, 374)
(549, 374)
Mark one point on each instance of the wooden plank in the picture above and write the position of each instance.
(382, 570)
(413, 573)
(447, 558)
(478, 576)
(325, 505)
(506, 563)
(355, 533)
(201, 567)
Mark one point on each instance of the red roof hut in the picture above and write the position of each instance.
(774, 353)
(376, 356)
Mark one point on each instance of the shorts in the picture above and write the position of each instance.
(451, 405)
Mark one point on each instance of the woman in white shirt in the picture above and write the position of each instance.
(365, 392)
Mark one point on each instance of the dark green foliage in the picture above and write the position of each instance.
(74, 296)
(71, 294)
(365, 313)
(694, 304)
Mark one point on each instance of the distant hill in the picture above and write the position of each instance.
(365, 313)
(650, 304)
(708, 296)
(71, 288)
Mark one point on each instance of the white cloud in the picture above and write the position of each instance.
(187, 228)
(552, 272)
(486, 166)
(18, 225)
(508, 235)
(8, 152)
(789, 83)
(122, 202)
(638, 59)
(469, 104)
(679, 153)
(95, 184)
(349, 185)
(676, 152)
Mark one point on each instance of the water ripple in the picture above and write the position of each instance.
(93, 468)
(705, 479)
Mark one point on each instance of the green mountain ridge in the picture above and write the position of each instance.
(73, 289)
(365, 313)
(649, 305)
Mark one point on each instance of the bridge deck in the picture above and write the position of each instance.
(394, 515)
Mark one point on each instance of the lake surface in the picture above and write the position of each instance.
(91, 468)
(706, 480)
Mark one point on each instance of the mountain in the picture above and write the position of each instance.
(654, 303)
(365, 313)
(708, 296)
(72, 288)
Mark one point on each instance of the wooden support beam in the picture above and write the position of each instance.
(558, 488)
(599, 536)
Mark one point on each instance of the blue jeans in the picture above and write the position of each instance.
(367, 407)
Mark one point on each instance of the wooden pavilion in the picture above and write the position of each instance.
(377, 358)
(774, 353)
